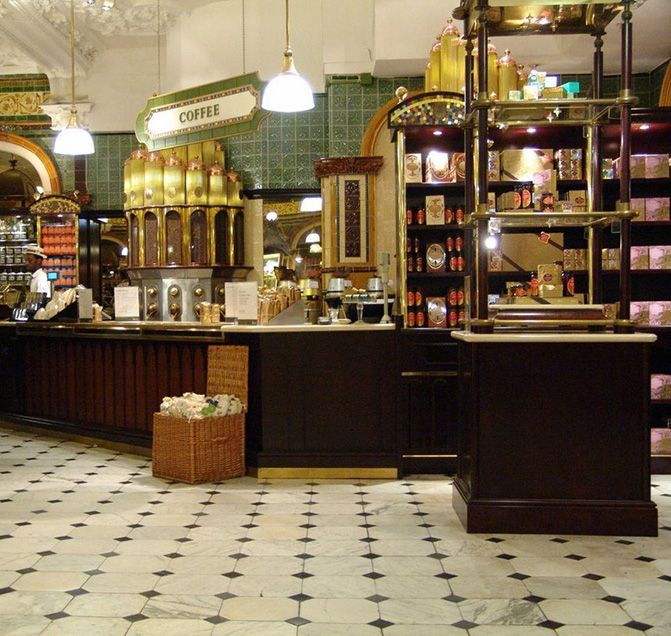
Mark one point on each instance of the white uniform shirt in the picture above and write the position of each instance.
(39, 282)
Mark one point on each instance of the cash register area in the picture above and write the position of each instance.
(91, 543)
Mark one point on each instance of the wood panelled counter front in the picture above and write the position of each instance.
(102, 382)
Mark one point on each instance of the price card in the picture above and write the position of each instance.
(126, 303)
(242, 300)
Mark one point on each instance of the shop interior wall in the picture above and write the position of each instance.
(281, 154)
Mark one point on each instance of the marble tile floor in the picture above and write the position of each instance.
(91, 543)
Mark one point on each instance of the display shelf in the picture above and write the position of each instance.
(542, 220)
(437, 274)
(445, 227)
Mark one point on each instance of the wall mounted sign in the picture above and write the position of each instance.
(211, 111)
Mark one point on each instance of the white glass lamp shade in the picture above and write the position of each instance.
(73, 140)
(288, 92)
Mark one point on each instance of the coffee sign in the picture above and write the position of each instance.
(211, 111)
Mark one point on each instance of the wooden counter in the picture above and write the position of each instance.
(554, 434)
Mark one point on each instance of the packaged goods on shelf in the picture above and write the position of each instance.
(657, 209)
(413, 167)
(197, 406)
(608, 168)
(659, 256)
(575, 259)
(525, 164)
(577, 200)
(660, 313)
(439, 167)
(434, 206)
(610, 258)
(495, 261)
(660, 387)
(657, 166)
(660, 441)
(550, 280)
(640, 312)
(569, 163)
(493, 165)
(640, 258)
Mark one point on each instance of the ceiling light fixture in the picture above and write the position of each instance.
(312, 237)
(311, 204)
(73, 140)
(288, 92)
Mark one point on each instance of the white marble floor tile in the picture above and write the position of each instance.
(339, 610)
(32, 603)
(198, 584)
(340, 586)
(412, 587)
(335, 565)
(552, 566)
(420, 611)
(182, 606)
(121, 582)
(23, 625)
(638, 589)
(561, 587)
(278, 565)
(110, 605)
(423, 630)
(508, 630)
(483, 587)
(501, 612)
(50, 581)
(165, 626)
(244, 608)
(649, 612)
(87, 625)
(584, 612)
(408, 565)
(601, 630)
(257, 628)
(265, 585)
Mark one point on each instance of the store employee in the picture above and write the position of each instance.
(38, 282)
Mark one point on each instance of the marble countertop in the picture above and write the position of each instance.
(557, 336)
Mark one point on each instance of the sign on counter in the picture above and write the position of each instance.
(126, 303)
(242, 301)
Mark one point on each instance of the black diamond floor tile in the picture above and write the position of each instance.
(216, 620)
(551, 624)
(300, 597)
(638, 626)
(134, 618)
(56, 616)
(464, 624)
(454, 598)
(297, 621)
(613, 599)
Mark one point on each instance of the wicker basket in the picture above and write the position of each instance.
(211, 448)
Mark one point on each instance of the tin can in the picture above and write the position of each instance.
(418, 298)
(459, 243)
(452, 317)
(461, 263)
(411, 319)
(452, 296)
(411, 264)
(409, 216)
(419, 263)
(420, 319)
(459, 216)
(449, 215)
(460, 296)
(449, 243)
(411, 298)
(419, 217)
(453, 262)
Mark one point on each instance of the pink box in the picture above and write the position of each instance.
(660, 257)
(660, 386)
(638, 207)
(657, 209)
(660, 441)
(660, 313)
(640, 312)
(656, 166)
(640, 257)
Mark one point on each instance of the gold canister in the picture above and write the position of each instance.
(136, 168)
(126, 184)
(507, 75)
(522, 75)
(434, 58)
(196, 182)
(174, 186)
(449, 58)
(219, 154)
(461, 65)
(427, 77)
(492, 70)
(234, 188)
(153, 179)
(217, 184)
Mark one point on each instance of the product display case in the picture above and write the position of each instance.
(577, 458)
(16, 231)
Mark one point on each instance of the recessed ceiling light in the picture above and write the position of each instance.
(437, 133)
(531, 130)
(644, 127)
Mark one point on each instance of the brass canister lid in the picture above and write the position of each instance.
(216, 169)
(195, 164)
(174, 160)
(155, 157)
(506, 60)
(450, 29)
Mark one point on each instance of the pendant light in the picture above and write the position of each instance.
(73, 140)
(288, 92)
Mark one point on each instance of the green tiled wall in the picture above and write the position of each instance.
(104, 169)
(656, 79)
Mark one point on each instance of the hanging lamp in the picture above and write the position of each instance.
(288, 92)
(73, 140)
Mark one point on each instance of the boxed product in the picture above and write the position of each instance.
(493, 165)
(434, 209)
(578, 200)
(636, 166)
(608, 168)
(660, 387)
(413, 167)
(660, 256)
(660, 441)
(660, 313)
(610, 258)
(656, 166)
(509, 201)
(637, 206)
(657, 209)
(439, 168)
(491, 201)
(495, 261)
(575, 259)
(525, 164)
(640, 312)
(549, 279)
(639, 257)
(569, 163)
(523, 252)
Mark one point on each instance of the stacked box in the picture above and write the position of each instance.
(493, 165)
(660, 387)
(640, 257)
(439, 168)
(495, 261)
(660, 441)
(657, 209)
(656, 166)
(526, 164)
(569, 163)
(640, 312)
(575, 259)
(608, 168)
(660, 256)
(577, 200)
(610, 258)
(660, 313)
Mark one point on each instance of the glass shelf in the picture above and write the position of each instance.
(549, 112)
(533, 218)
